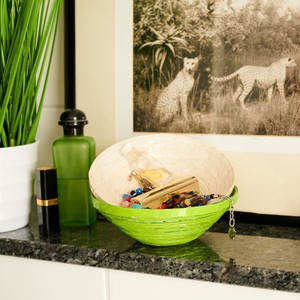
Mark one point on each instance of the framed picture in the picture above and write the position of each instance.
(216, 67)
(266, 164)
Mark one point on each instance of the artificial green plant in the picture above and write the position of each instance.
(27, 32)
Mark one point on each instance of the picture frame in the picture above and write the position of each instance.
(267, 168)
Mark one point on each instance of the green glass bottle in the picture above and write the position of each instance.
(73, 155)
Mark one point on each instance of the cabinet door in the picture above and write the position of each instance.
(134, 286)
(29, 279)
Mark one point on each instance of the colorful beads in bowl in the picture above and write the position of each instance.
(173, 200)
(129, 201)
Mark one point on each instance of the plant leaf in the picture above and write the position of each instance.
(24, 70)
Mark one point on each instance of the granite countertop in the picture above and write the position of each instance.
(261, 256)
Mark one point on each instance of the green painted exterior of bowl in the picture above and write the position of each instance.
(164, 227)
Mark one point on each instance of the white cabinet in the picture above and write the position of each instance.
(135, 286)
(30, 279)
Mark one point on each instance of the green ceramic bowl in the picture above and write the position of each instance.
(164, 227)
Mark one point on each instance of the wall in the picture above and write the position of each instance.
(96, 67)
(95, 73)
(267, 169)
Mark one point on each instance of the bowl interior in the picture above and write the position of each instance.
(179, 154)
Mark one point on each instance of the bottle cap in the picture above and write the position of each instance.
(73, 121)
(73, 117)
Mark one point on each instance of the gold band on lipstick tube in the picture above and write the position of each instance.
(48, 202)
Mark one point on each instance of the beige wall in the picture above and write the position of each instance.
(95, 46)
(267, 169)
(95, 72)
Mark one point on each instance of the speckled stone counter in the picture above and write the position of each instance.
(260, 256)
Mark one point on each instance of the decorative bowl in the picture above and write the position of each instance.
(164, 227)
(182, 156)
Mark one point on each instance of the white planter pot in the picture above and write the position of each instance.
(17, 169)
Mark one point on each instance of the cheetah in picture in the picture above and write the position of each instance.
(175, 95)
(262, 77)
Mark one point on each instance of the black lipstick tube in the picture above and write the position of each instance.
(47, 201)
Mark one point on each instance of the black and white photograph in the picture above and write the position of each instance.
(216, 67)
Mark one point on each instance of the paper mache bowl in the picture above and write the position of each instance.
(181, 156)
